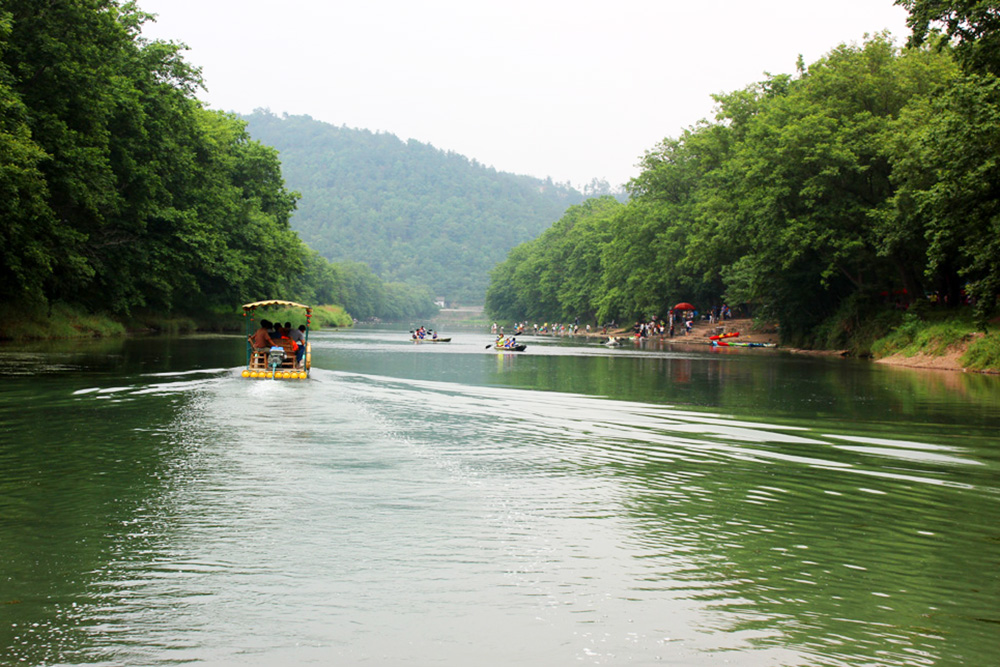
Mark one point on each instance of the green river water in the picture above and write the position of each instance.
(443, 504)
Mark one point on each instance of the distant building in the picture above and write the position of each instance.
(439, 302)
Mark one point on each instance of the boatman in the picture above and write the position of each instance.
(299, 336)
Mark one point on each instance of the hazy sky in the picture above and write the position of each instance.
(572, 89)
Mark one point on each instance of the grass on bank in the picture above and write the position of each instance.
(983, 354)
(59, 321)
(939, 333)
(867, 329)
(31, 322)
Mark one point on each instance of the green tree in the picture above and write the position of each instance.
(945, 153)
(558, 275)
(503, 299)
(814, 173)
(667, 246)
(787, 201)
(29, 236)
(63, 58)
(123, 191)
(589, 229)
(948, 170)
(973, 25)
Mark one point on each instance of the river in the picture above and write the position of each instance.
(443, 504)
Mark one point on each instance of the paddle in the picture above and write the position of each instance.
(489, 346)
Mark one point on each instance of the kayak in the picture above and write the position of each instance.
(520, 347)
(431, 340)
(731, 334)
(726, 343)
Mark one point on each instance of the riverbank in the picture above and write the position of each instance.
(63, 321)
(701, 332)
(951, 345)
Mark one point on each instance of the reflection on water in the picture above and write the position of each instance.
(453, 505)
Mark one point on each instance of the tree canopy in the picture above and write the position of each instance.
(120, 190)
(865, 181)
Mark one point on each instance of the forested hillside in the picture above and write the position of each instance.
(120, 191)
(829, 200)
(411, 212)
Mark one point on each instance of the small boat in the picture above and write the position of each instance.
(731, 334)
(507, 345)
(425, 335)
(276, 362)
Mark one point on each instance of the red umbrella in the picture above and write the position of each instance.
(684, 305)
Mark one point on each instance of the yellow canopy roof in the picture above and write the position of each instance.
(274, 302)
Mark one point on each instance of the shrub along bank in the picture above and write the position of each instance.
(945, 341)
(67, 321)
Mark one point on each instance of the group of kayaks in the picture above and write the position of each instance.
(719, 340)
(723, 340)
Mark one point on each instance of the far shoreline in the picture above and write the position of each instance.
(950, 360)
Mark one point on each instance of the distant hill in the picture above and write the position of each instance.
(412, 212)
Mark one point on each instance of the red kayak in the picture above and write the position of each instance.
(731, 334)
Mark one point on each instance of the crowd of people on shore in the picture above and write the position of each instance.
(677, 323)
(555, 328)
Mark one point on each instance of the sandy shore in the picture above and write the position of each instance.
(946, 362)
(750, 334)
(949, 361)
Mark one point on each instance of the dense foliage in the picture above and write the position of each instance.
(411, 212)
(866, 181)
(119, 190)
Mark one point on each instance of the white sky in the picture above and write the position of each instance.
(572, 89)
